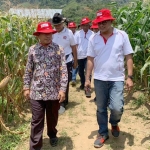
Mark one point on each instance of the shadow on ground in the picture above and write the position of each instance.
(63, 142)
(117, 143)
(145, 139)
(72, 105)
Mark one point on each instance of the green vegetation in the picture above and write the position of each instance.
(16, 37)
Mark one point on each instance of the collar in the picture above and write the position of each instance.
(115, 31)
(64, 30)
(39, 45)
(84, 32)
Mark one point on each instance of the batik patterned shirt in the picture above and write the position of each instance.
(46, 72)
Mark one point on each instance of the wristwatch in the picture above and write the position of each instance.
(130, 76)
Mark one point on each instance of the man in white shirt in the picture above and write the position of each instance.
(72, 26)
(106, 52)
(82, 39)
(65, 38)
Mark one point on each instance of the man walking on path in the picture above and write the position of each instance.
(72, 26)
(82, 40)
(45, 83)
(65, 38)
(106, 52)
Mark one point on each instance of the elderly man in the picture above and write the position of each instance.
(82, 40)
(106, 52)
(65, 38)
(45, 83)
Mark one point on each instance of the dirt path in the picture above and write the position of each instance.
(77, 127)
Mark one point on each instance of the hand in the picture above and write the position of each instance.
(27, 94)
(87, 84)
(75, 64)
(61, 96)
(129, 84)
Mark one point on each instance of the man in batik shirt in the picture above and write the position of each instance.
(45, 83)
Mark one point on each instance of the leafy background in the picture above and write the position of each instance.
(74, 10)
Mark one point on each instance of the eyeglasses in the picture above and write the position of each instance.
(103, 22)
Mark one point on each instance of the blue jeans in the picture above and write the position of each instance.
(74, 73)
(108, 94)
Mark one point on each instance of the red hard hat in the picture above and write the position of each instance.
(72, 25)
(85, 21)
(44, 27)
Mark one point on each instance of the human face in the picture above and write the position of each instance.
(45, 38)
(73, 30)
(59, 27)
(95, 30)
(105, 26)
(85, 27)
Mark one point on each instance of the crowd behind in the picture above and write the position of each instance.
(93, 48)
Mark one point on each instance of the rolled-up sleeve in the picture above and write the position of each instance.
(28, 71)
(64, 72)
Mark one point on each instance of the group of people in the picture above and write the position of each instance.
(100, 50)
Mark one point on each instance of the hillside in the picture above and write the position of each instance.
(72, 9)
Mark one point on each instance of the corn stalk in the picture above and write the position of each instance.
(16, 37)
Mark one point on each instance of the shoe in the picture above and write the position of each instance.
(99, 142)
(61, 110)
(53, 141)
(115, 130)
(73, 83)
(82, 86)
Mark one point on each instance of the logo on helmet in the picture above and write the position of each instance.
(99, 14)
(44, 25)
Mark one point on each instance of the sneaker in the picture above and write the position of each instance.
(99, 142)
(82, 86)
(61, 110)
(73, 83)
(53, 141)
(115, 130)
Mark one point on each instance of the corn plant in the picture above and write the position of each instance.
(134, 19)
(16, 37)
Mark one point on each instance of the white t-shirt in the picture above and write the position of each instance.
(109, 57)
(65, 39)
(82, 40)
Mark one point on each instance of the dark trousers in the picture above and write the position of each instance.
(38, 108)
(82, 68)
(69, 69)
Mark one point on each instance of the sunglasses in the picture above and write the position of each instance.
(103, 22)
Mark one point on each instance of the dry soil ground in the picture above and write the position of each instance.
(77, 127)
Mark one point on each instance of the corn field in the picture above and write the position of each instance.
(16, 37)
(135, 20)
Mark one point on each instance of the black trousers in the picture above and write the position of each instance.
(38, 108)
(69, 70)
(82, 69)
